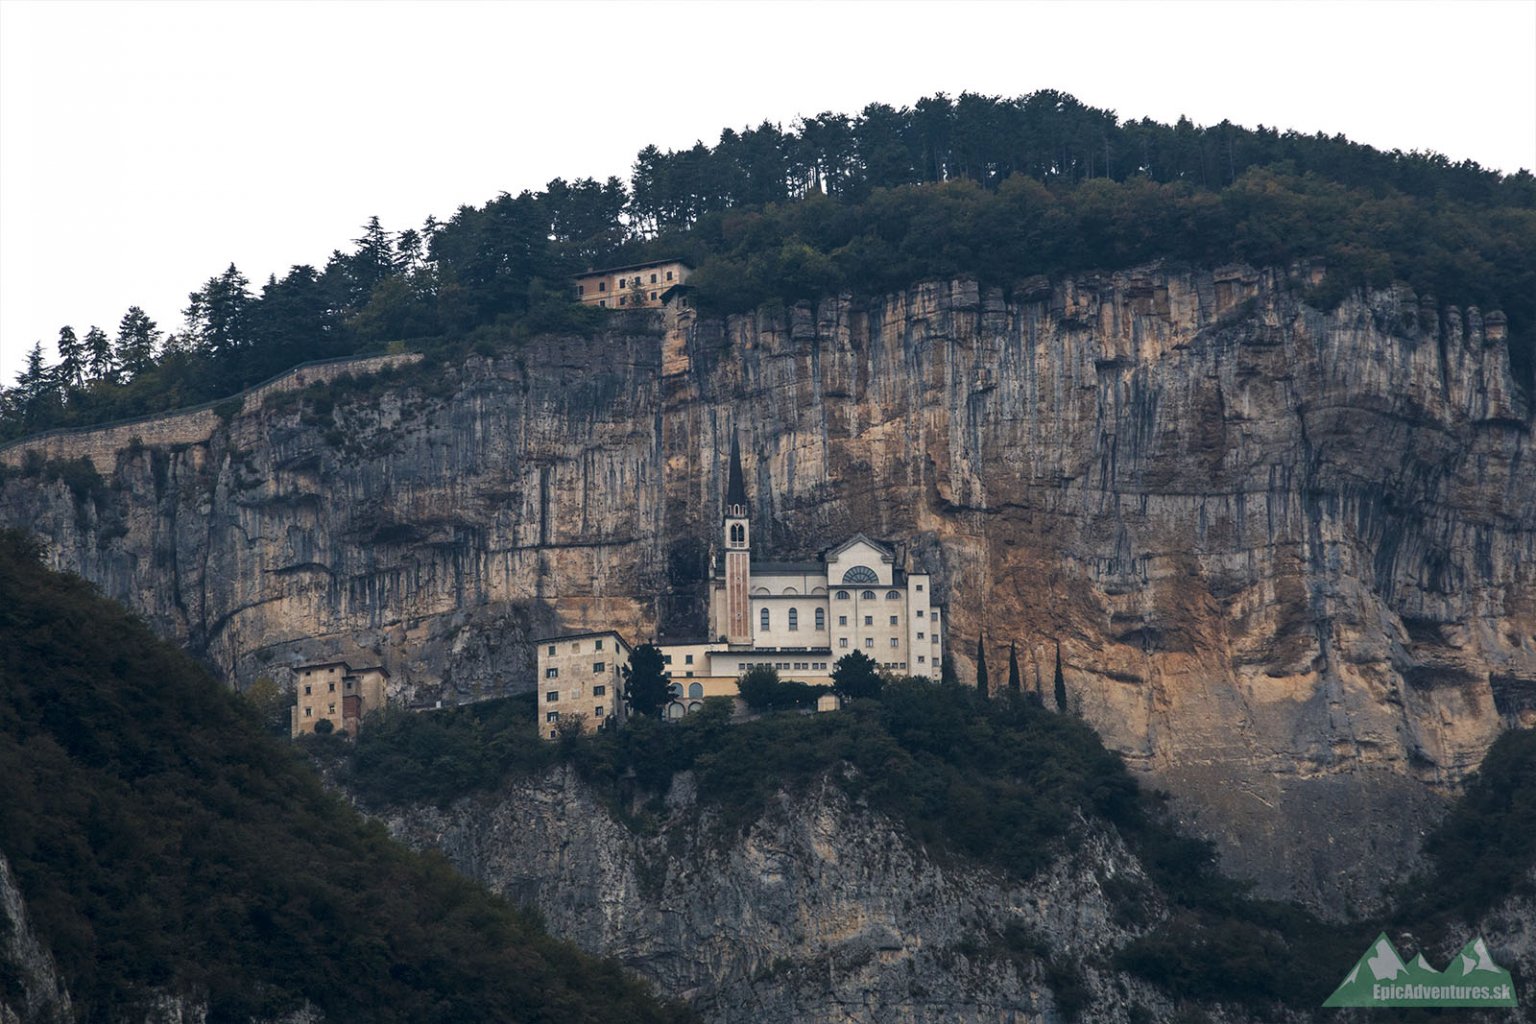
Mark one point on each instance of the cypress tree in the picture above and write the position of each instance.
(981, 666)
(1013, 667)
(1061, 682)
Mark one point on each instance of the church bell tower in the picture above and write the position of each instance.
(738, 555)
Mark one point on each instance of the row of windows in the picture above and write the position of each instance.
(597, 645)
(869, 641)
(551, 696)
(694, 689)
(310, 712)
(622, 282)
(804, 666)
(554, 716)
(765, 620)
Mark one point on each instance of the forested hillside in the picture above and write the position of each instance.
(984, 187)
(166, 847)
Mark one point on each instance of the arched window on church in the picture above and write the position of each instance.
(860, 574)
(821, 619)
(695, 689)
(868, 595)
(762, 618)
(842, 595)
(891, 595)
(794, 618)
(738, 533)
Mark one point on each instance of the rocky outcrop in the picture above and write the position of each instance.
(33, 992)
(1285, 555)
(819, 913)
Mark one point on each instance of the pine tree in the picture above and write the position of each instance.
(71, 368)
(1013, 667)
(981, 666)
(96, 349)
(137, 336)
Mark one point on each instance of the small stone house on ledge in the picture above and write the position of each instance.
(336, 692)
(635, 286)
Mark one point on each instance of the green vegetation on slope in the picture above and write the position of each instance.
(164, 844)
(1003, 782)
(976, 186)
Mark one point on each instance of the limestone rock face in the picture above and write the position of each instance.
(1287, 557)
(39, 995)
(820, 913)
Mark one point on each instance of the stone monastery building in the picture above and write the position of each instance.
(638, 285)
(336, 692)
(798, 617)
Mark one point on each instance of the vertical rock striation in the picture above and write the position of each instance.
(1288, 557)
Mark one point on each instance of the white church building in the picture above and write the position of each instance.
(798, 617)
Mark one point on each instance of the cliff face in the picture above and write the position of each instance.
(820, 912)
(1288, 558)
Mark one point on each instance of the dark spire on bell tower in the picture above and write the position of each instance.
(735, 487)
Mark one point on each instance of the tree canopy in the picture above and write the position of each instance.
(164, 844)
(856, 675)
(646, 681)
(993, 188)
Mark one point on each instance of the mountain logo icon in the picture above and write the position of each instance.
(1380, 978)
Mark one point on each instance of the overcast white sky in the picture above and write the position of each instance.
(145, 146)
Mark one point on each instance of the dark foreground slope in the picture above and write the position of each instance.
(166, 850)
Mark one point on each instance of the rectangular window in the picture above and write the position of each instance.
(550, 696)
(893, 620)
(919, 613)
(575, 648)
(603, 303)
(602, 286)
(669, 275)
(869, 641)
(332, 711)
(842, 620)
(623, 299)
(895, 642)
(551, 673)
(653, 281)
(653, 294)
(666, 659)
(919, 588)
(921, 637)
(597, 646)
(842, 641)
(551, 649)
(309, 712)
(307, 689)
(687, 659)
(869, 620)
(921, 660)
(331, 687)
(598, 667)
(599, 691)
(552, 716)
(581, 289)
(597, 712)
(741, 666)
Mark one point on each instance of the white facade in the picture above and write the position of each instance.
(804, 616)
